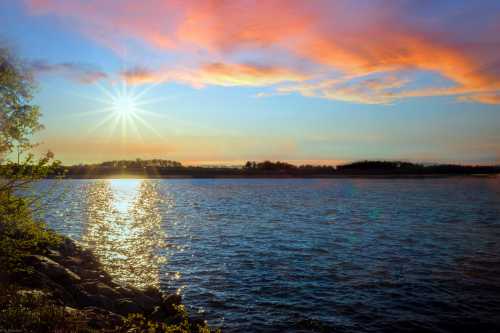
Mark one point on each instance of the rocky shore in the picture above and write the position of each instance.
(71, 279)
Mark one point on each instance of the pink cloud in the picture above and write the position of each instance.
(348, 43)
(220, 74)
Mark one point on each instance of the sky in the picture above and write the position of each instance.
(222, 82)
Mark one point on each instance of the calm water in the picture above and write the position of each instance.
(342, 255)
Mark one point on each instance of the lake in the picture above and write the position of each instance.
(299, 255)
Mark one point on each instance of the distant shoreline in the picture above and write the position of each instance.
(346, 176)
(168, 169)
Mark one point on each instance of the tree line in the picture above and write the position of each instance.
(169, 168)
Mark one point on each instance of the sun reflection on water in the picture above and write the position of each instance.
(124, 230)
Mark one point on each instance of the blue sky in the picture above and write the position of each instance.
(226, 82)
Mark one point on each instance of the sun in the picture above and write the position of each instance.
(124, 105)
(123, 111)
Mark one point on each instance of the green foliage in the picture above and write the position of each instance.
(34, 312)
(20, 235)
(138, 323)
(19, 119)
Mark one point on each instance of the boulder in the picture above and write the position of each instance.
(100, 301)
(86, 274)
(145, 302)
(52, 269)
(34, 293)
(100, 288)
(125, 291)
(126, 306)
(102, 319)
(70, 261)
(170, 302)
(67, 247)
(71, 311)
(154, 293)
(54, 255)
(158, 314)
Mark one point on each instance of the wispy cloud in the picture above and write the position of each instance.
(331, 49)
(492, 98)
(220, 74)
(80, 73)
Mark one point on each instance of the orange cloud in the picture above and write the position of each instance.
(482, 98)
(338, 45)
(220, 74)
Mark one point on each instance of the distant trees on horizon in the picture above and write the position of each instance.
(170, 168)
(137, 163)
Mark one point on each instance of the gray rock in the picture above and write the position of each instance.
(86, 274)
(70, 310)
(100, 301)
(52, 269)
(154, 293)
(126, 306)
(102, 319)
(54, 255)
(126, 292)
(158, 314)
(170, 302)
(72, 261)
(145, 302)
(99, 288)
(34, 293)
(40, 281)
(67, 247)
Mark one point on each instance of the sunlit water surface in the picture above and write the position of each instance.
(343, 255)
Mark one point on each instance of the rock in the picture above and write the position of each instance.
(154, 293)
(102, 319)
(72, 261)
(158, 314)
(86, 274)
(52, 269)
(40, 281)
(34, 293)
(54, 255)
(170, 302)
(71, 311)
(127, 292)
(145, 302)
(35, 280)
(100, 301)
(99, 288)
(67, 247)
(126, 306)
(88, 260)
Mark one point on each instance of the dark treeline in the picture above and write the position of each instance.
(137, 163)
(158, 168)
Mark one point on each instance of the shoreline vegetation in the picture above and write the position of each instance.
(171, 169)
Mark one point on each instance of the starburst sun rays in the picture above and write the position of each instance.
(124, 110)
